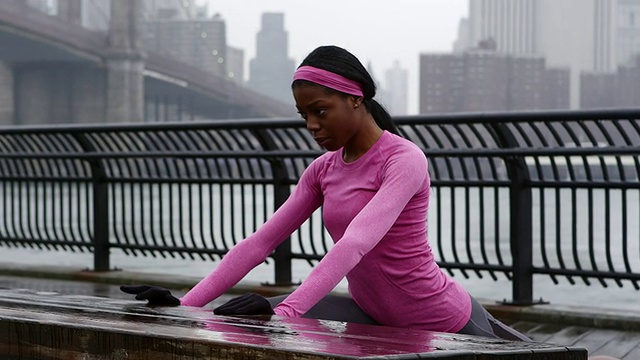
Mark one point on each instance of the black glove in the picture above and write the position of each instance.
(154, 294)
(247, 304)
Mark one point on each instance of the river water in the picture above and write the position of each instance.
(564, 293)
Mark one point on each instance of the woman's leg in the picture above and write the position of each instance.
(482, 323)
(333, 307)
(343, 308)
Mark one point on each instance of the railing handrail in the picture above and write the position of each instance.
(444, 118)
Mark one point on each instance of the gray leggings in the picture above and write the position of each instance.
(343, 308)
(333, 307)
(482, 323)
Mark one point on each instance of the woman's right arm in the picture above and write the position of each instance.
(250, 252)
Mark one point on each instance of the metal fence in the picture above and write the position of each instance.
(513, 194)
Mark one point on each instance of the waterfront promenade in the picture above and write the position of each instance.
(601, 331)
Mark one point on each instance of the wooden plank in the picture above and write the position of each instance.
(55, 327)
(569, 335)
(634, 354)
(620, 345)
(546, 332)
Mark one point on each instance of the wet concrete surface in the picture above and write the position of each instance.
(63, 287)
(52, 326)
(68, 287)
(602, 332)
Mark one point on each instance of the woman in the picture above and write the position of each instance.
(374, 189)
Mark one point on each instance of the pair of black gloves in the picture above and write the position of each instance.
(247, 304)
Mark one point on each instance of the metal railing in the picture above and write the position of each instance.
(513, 194)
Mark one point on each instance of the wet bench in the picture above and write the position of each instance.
(42, 325)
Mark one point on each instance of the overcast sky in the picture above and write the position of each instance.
(377, 32)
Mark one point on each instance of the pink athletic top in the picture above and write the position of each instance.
(375, 209)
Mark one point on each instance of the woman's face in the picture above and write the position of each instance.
(330, 116)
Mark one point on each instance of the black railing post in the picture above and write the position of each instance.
(520, 227)
(101, 248)
(282, 256)
(520, 232)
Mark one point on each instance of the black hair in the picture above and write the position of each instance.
(342, 62)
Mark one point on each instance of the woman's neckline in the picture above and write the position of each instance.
(362, 157)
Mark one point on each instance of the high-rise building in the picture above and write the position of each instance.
(96, 14)
(200, 41)
(46, 6)
(628, 39)
(511, 23)
(556, 88)
(170, 9)
(486, 80)
(575, 34)
(396, 90)
(526, 83)
(627, 91)
(612, 90)
(605, 30)
(271, 70)
(463, 41)
(597, 90)
(235, 65)
(441, 82)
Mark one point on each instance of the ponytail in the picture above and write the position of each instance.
(381, 116)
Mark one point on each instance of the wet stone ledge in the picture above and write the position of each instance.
(51, 326)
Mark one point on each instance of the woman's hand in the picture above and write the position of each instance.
(155, 295)
(247, 304)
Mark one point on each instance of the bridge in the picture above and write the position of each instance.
(55, 70)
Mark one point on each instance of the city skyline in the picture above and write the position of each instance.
(359, 26)
(197, 31)
(538, 35)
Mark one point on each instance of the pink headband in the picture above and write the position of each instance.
(328, 79)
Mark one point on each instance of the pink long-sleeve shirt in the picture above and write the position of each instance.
(375, 210)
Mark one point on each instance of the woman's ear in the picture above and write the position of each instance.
(357, 101)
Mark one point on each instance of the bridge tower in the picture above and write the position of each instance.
(125, 63)
(42, 88)
(7, 112)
